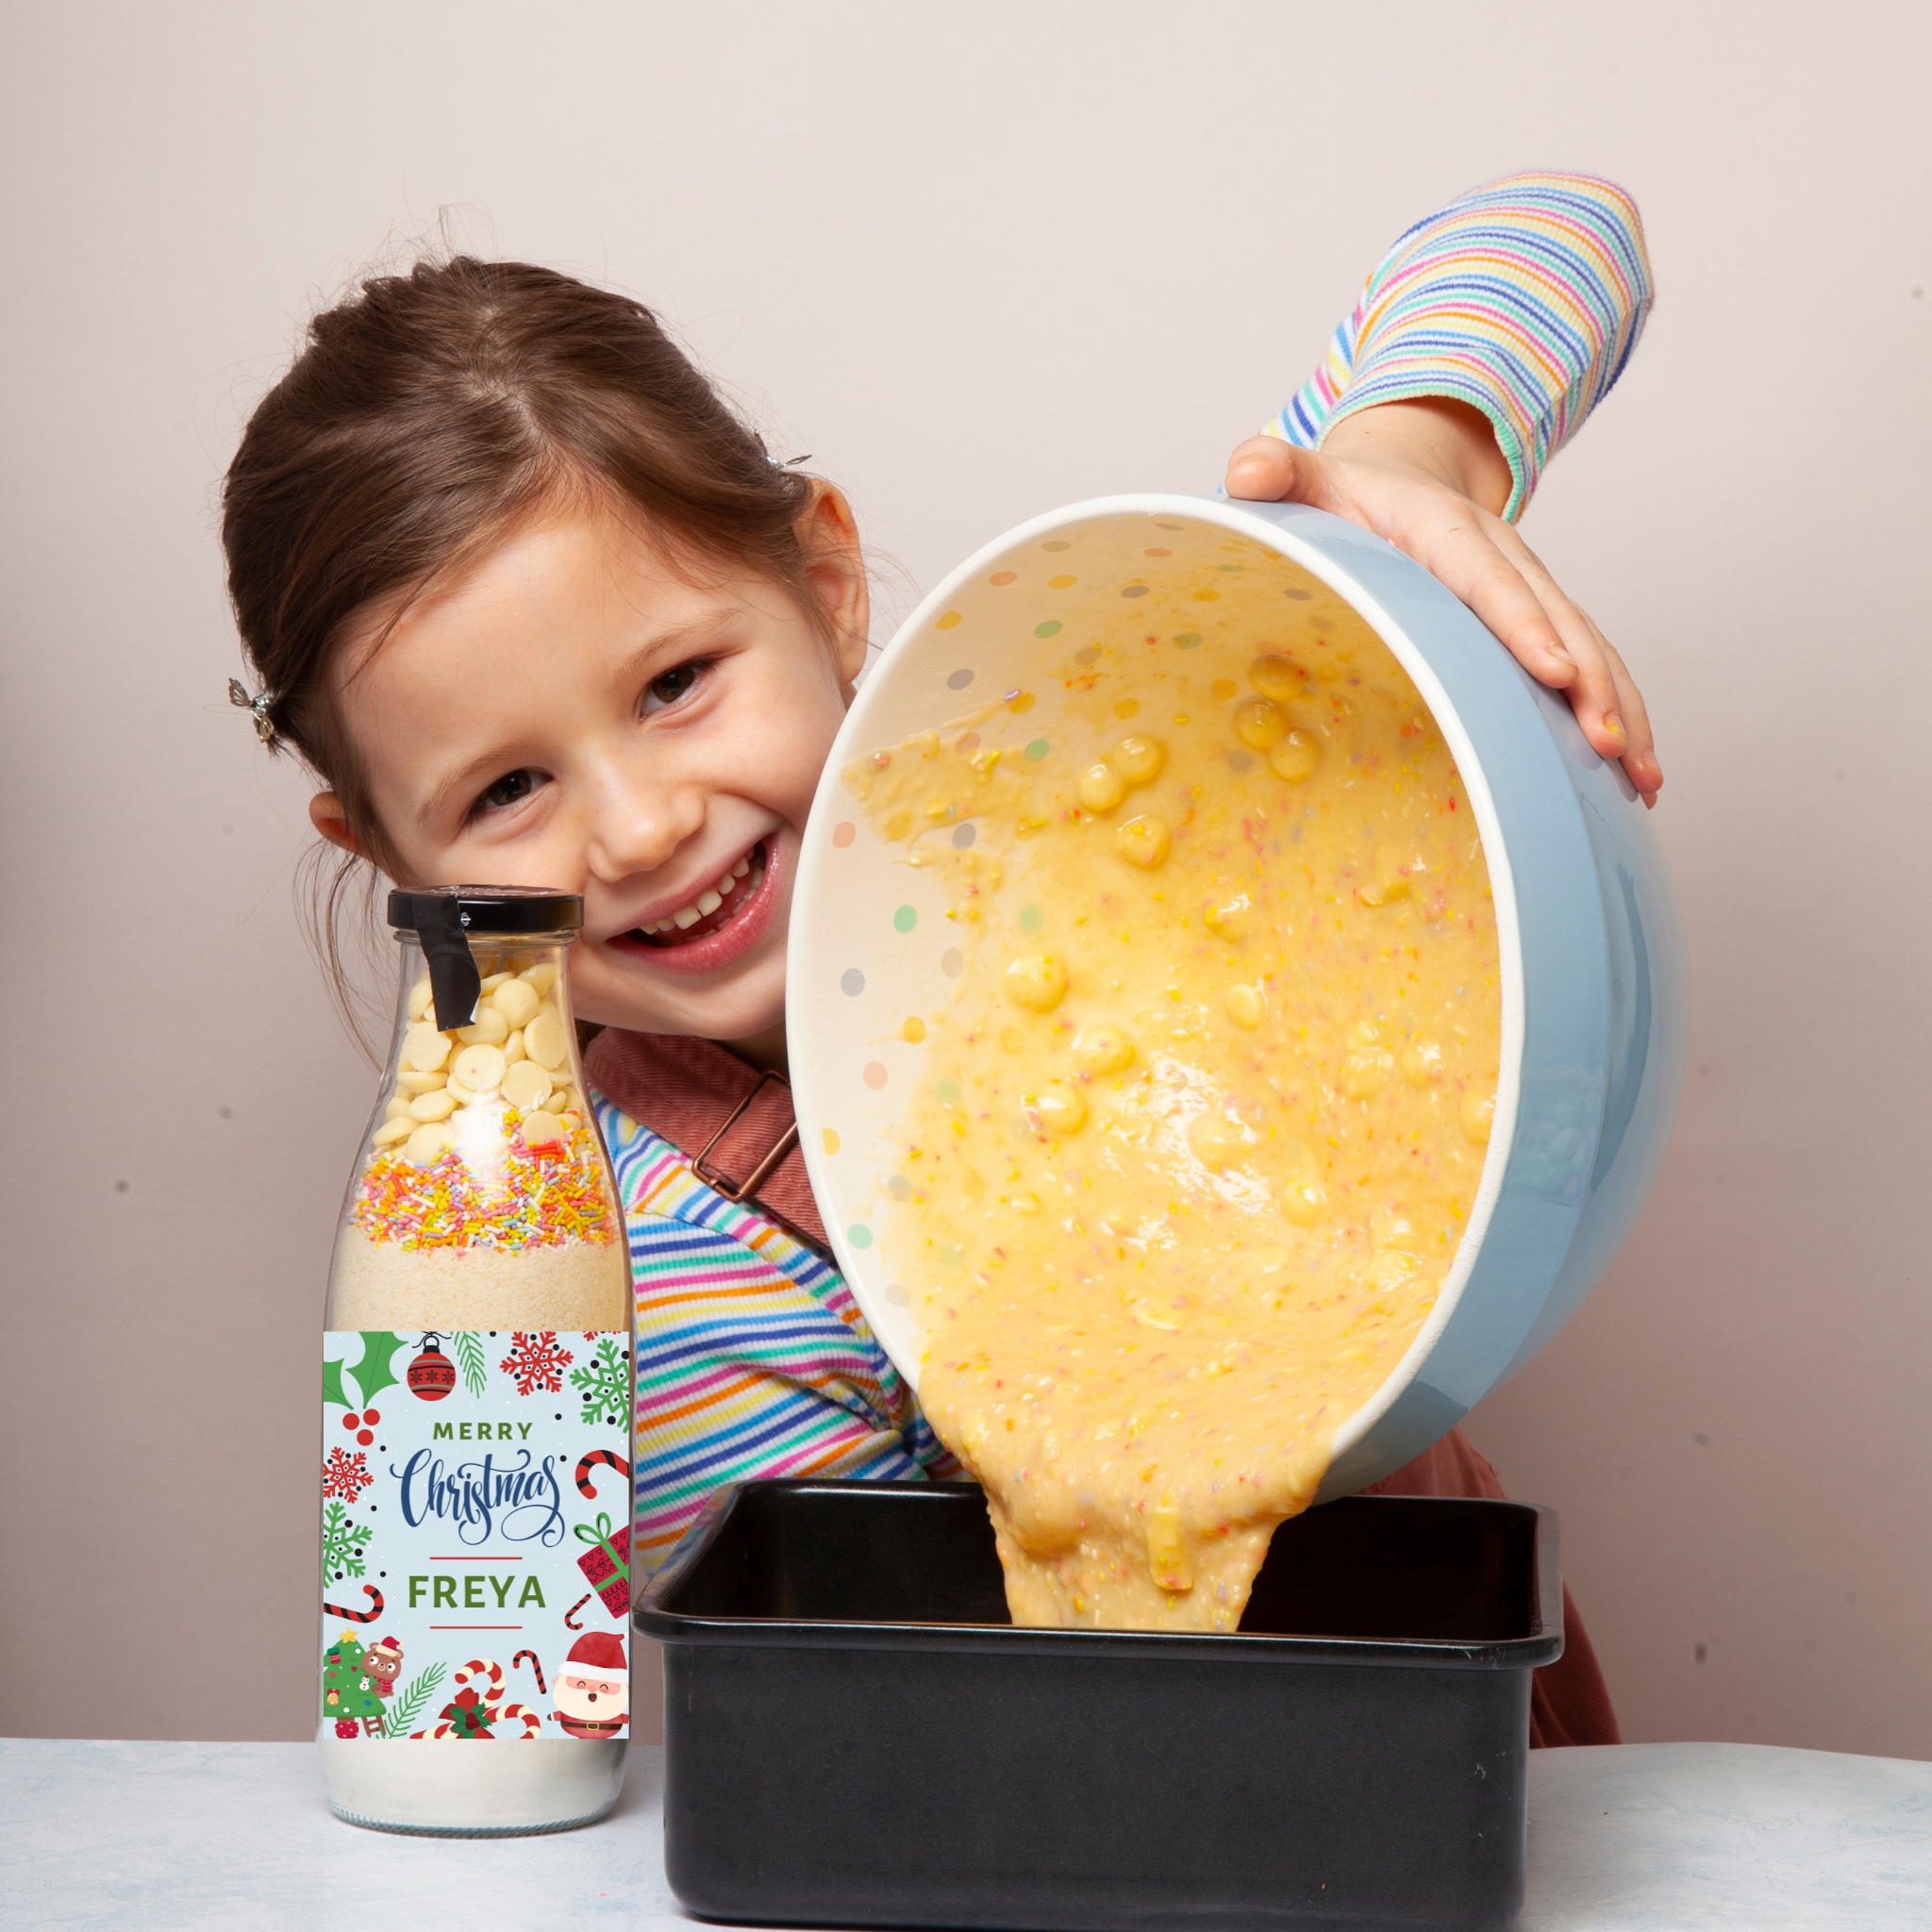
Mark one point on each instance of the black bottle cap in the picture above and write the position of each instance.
(487, 908)
(443, 917)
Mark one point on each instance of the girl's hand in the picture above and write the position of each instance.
(1427, 475)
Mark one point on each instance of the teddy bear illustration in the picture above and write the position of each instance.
(355, 1681)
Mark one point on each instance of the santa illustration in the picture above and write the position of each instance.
(593, 1688)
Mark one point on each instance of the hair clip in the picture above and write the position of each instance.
(258, 707)
(778, 462)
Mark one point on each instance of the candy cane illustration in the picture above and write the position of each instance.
(519, 1713)
(569, 1616)
(482, 1667)
(542, 1689)
(368, 1616)
(587, 1463)
(489, 1697)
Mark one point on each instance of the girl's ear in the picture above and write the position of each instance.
(836, 566)
(326, 815)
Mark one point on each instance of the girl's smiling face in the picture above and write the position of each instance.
(579, 711)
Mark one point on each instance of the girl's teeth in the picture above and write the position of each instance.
(709, 901)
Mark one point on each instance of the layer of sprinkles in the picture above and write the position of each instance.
(532, 1201)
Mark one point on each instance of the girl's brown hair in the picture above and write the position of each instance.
(427, 415)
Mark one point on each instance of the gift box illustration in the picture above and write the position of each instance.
(607, 1563)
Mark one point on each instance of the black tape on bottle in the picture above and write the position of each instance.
(453, 981)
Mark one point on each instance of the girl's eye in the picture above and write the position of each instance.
(670, 686)
(508, 790)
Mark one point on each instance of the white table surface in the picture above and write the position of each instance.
(1661, 1836)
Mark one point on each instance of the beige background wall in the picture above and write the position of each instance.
(976, 262)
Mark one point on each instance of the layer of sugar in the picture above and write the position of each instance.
(581, 1285)
(518, 1786)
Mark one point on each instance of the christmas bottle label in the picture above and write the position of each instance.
(476, 1535)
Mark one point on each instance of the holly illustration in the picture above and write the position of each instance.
(371, 1374)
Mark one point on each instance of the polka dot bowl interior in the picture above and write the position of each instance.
(1592, 970)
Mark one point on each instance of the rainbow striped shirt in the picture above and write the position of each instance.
(753, 1358)
(1523, 298)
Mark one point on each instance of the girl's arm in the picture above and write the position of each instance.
(1487, 335)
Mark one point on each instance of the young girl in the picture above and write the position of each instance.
(539, 610)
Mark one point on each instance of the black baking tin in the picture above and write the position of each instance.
(854, 1735)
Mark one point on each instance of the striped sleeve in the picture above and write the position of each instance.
(753, 1358)
(1523, 298)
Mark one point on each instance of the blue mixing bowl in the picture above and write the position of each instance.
(1594, 981)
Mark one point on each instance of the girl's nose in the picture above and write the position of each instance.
(635, 827)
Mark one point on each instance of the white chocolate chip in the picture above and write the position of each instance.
(420, 995)
(1054, 1110)
(1277, 678)
(573, 1121)
(1258, 725)
(426, 1143)
(545, 1040)
(489, 1030)
(490, 981)
(517, 1000)
(433, 1107)
(1218, 1142)
(1295, 757)
(411, 1081)
(1365, 1073)
(1229, 918)
(1138, 759)
(542, 976)
(1303, 1201)
(393, 1130)
(424, 1048)
(1101, 787)
(1036, 981)
(398, 1104)
(513, 1048)
(1389, 1232)
(479, 1068)
(1144, 841)
(1422, 1061)
(1247, 1006)
(542, 1129)
(458, 1093)
(1102, 1048)
(526, 1086)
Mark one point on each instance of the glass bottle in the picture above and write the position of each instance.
(477, 1400)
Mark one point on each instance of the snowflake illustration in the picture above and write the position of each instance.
(606, 1383)
(345, 1475)
(536, 1361)
(343, 1543)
